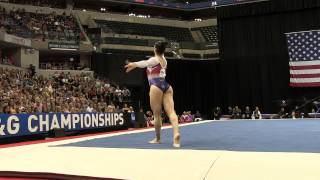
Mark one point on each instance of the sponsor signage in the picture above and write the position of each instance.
(29, 124)
(63, 46)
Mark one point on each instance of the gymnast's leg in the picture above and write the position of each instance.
(156, 106)
(168, 104)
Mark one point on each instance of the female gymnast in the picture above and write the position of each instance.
(161, 93)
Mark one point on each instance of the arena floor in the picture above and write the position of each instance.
(212, 150)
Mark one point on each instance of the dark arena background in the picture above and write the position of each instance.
(245, 76)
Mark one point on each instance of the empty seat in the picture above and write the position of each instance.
(171, 33)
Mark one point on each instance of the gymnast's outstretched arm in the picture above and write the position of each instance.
(147, 63)
(142, 64)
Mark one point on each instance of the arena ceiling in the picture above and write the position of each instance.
(171, 4)
(138, 7)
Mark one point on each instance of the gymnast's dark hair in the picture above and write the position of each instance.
(160, 47)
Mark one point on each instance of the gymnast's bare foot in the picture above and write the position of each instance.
(176, 141)
(155, 141)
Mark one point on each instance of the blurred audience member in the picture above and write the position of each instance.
(230, 111)
(256, 114)
(150, 121)
(236, 113)
(282, 114)
(217, 113)
(297, 113)
(247, 113)
(184, 117)
(197, 116)
(125, 108)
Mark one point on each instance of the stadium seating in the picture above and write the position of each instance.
(12, 26)
(58, 93)
(127, 52)
(209, 33)
(133, 53)
(194, 56)
(125, 41)
(43, 3)
(207, 56)
(170, 33)
(40, 26)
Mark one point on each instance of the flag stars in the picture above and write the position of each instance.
(304, 46)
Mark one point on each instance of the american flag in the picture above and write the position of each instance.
(304, 62)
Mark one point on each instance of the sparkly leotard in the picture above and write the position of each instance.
(156, 74)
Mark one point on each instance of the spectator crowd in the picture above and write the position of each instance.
(40, 25)
(59, 93)
(42, 3)
(62, 63)
(236, 113)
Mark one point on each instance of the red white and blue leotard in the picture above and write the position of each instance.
(156, 74)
